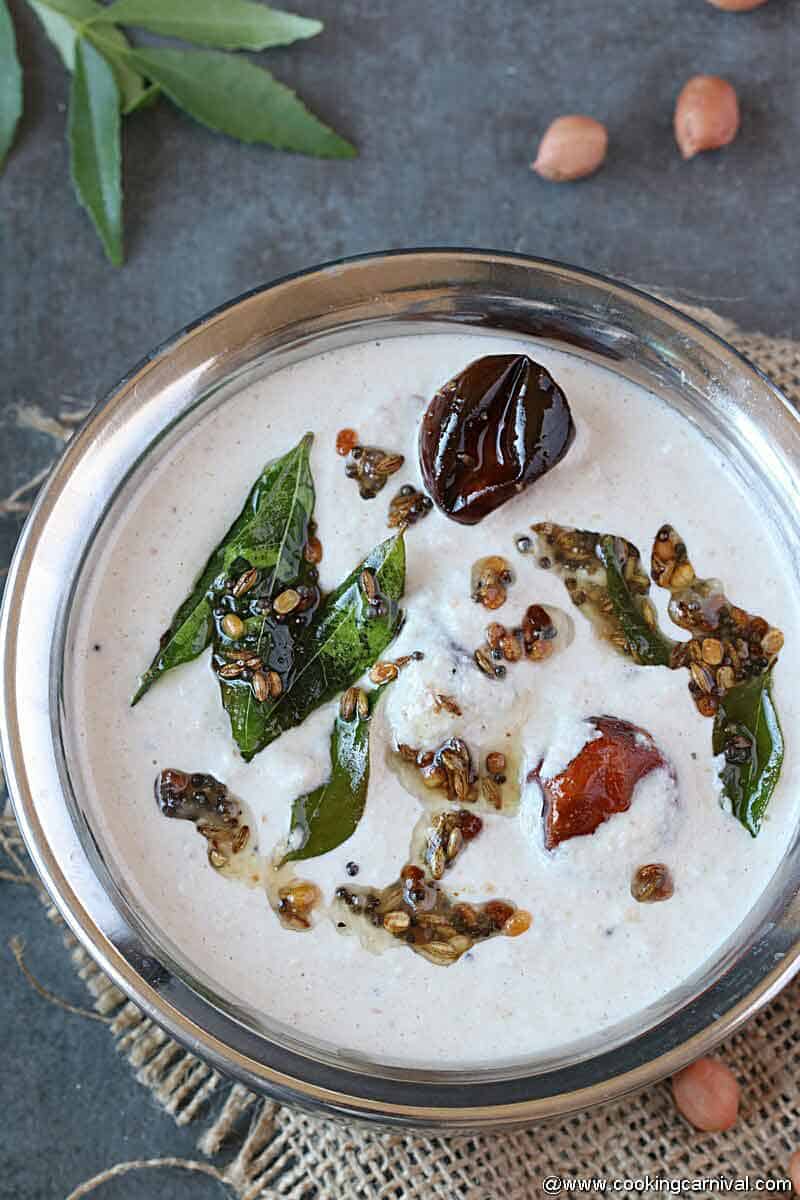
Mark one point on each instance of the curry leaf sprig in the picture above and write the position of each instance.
(281, 648)
(277, 662)
(113, 78)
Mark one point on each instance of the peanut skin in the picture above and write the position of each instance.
(572, 148)
(706, 115)
(707, 1094)
(737, 5)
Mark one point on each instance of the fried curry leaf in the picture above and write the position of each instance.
(635, 615)
(747, 731)
(323, 819)
(604, 578)
(264, 535)
(349, 631)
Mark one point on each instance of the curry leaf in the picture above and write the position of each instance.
(233, 25)
(747, 731)
(264, 535)
(604, 578)
(347, 635)
(233, 96)
(77, 11)
(644, 641)
(59, 29)
(323, 819)
(146, 99)
(10, 83)
(265, 633)
(134, 91)
(64, 21)
(95, 159)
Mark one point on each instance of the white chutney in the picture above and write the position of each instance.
(593, 956)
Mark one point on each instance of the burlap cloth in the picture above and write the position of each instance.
(262, 1150)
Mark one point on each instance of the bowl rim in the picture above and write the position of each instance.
(122, 959)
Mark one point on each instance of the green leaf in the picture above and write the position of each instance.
(65, 20)
(76, 11)
(747, 731)
(274, 640)
(147, 99)
(604, 578)
(230, 25)
(60, 31)
(134, 91)
(645, 642)
(264, 535)
(10, 83)
(329, 815)
(345, 638)
(233, 96)
(95, 159)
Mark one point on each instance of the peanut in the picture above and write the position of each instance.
(737, 5)
(572, 148)
(706, 115)
(707, 1094)
(794, 1171)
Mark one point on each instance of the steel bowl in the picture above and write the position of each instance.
(630, 333)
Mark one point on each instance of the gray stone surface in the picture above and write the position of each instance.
(446, 102)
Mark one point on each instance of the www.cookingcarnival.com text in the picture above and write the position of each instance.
(563, 1185)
